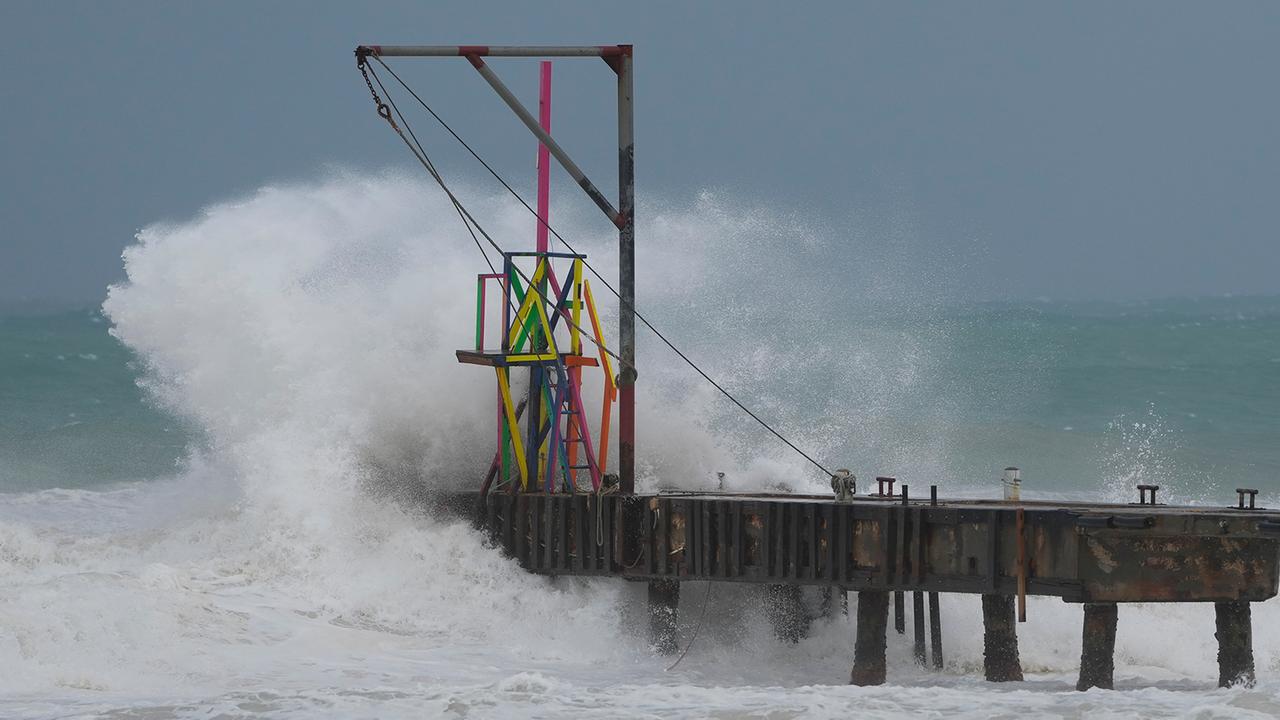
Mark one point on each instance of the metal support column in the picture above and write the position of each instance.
(626, 275)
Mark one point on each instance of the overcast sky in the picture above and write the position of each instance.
(1091, 150)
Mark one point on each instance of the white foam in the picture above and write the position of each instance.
(308, 331)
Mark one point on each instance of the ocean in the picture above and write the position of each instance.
(203, 506)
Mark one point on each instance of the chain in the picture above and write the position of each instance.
(383, 111)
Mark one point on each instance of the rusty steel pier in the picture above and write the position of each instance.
(884, 546)
(549, 499)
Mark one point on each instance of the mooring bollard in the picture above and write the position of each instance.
(1000, 639)
(1144, 490)
(869, 646)
(1240, 495)
(1097, 651)
(664, 599)
(1235, 644)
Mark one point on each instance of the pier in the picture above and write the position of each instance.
(549, 500)
(883, 547)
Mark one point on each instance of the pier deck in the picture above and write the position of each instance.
(1081, 552)
(886, 546)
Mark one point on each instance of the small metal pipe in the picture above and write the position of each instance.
(933, 494)
(532, 123)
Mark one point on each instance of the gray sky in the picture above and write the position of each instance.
(1095, 150)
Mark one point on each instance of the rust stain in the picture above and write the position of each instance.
(1102, 555)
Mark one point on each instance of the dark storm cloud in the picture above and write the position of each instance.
(1087, 150)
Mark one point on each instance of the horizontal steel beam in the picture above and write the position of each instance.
(494, 51)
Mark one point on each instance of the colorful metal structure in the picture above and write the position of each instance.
(619, 59)
(542, 331)
(555, 449)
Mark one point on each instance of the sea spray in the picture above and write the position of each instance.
(307, 332)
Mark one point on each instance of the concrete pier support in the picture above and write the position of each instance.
(1235, 644)
(935, 631)
(869, 646)
(1097, 652)
(664, 599)
(787, 612)
(917, 621)
(900, 612)
(1000, 639)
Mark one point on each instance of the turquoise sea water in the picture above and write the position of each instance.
(1082, 396)
(71, 412)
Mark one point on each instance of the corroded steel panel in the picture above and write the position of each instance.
(1136, 568)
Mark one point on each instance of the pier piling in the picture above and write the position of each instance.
(869, 646)
(833, 599)
(1097, 652)
(900, 612)
(664, 599)
(787, 612)
(1235, 644)
(917, 620)
(1000, 639)
(935, 631)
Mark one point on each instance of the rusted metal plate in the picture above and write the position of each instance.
(1120, 567)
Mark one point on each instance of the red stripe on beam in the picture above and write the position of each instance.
(473, 49)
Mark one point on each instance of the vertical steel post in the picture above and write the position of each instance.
(536, 374)
(626, 276)
(544, 155)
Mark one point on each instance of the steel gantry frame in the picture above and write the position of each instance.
(619, 58)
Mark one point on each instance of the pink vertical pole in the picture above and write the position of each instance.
(544, 156)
